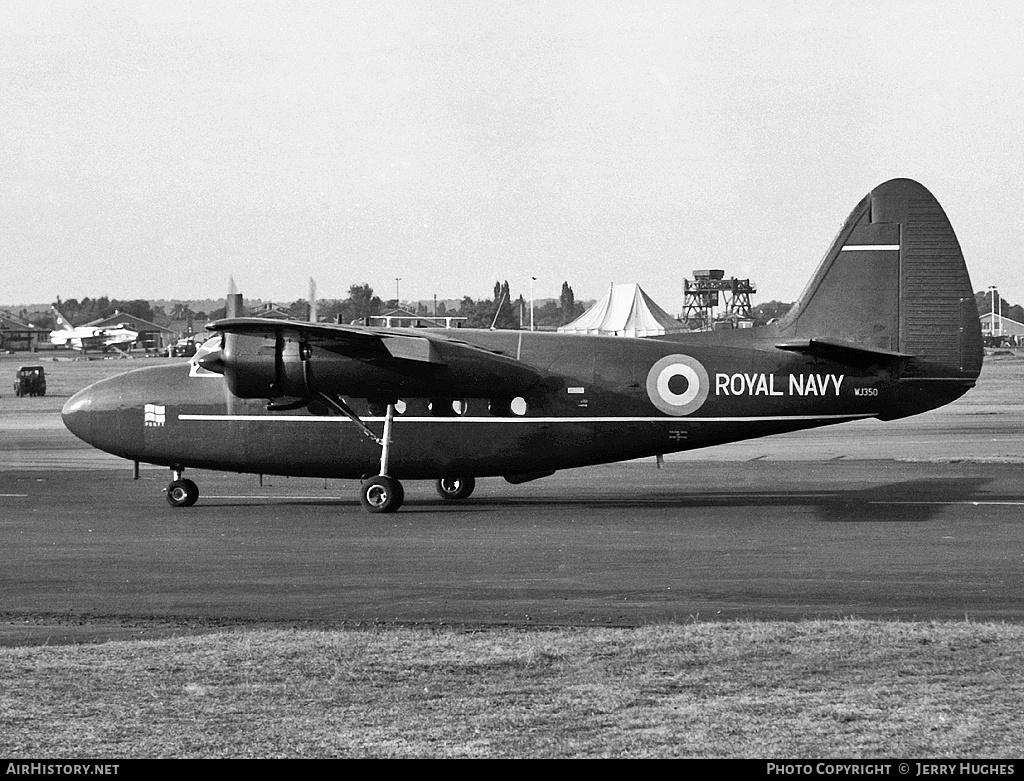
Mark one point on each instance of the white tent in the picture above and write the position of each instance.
(625, 311)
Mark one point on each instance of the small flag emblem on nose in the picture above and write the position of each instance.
(155, 414)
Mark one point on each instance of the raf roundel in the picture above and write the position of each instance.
(678, 384)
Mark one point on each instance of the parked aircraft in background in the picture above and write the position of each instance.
(886, 328)
(85, 337)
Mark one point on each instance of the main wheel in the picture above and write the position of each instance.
(455, 489)
(182, 493)
(381, 494)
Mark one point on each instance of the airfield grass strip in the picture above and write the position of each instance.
(746, 689)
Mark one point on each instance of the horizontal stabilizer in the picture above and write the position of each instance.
(841, 351)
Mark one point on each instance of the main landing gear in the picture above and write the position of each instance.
(455, 489)
(378, 494)
(383, 494)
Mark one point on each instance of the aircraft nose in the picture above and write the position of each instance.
(76, 414)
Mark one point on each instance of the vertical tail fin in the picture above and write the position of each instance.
(62, 322)
(895, 279)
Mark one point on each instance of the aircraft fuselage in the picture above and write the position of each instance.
(602, 399)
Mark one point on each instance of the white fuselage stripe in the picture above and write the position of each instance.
(581, 419)
(870, 248)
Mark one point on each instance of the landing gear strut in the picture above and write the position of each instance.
(383, 494)
(181, 492)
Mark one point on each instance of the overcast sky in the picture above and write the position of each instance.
(153, 149)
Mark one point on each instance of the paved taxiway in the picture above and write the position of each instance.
(820, 524)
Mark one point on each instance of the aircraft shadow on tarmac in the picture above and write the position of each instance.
(911, 501)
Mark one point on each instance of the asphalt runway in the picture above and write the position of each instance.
(921, 519)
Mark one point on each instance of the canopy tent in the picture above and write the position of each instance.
(625, 311)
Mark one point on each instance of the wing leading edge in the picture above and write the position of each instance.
(264, 358)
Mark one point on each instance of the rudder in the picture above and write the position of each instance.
(895, 279)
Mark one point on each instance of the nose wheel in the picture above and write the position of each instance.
(182, 492)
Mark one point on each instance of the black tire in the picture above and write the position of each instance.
(182, 493)
(455, 489)
(381, 494)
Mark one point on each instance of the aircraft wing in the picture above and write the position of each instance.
(81, 339)
(119, 336)
(307, 358)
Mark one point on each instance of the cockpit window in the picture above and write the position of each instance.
(211, 345)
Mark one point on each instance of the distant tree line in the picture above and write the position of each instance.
(772, 310)
(89, 309)
(501, 309)
(984, 301)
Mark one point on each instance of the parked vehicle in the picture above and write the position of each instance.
(30, 381)
(184, 348)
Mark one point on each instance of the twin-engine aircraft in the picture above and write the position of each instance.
(87, 337)
(886, 328)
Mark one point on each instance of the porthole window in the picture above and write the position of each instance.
(400, 406)
(459, 406)
(518, 406)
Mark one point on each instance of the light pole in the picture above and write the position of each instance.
(532, 280)
(397, 280)
(992, 317)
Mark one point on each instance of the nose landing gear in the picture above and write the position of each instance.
(181, 492)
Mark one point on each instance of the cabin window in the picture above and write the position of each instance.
(518, 406)
(379, 409)
(443, 408)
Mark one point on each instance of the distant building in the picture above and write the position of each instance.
(16, 334)
(274, 312)
(995, 328)
(403, 318)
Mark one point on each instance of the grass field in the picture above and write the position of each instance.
(851, 689)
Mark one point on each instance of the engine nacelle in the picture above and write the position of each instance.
(287, 363)
(262, 368)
